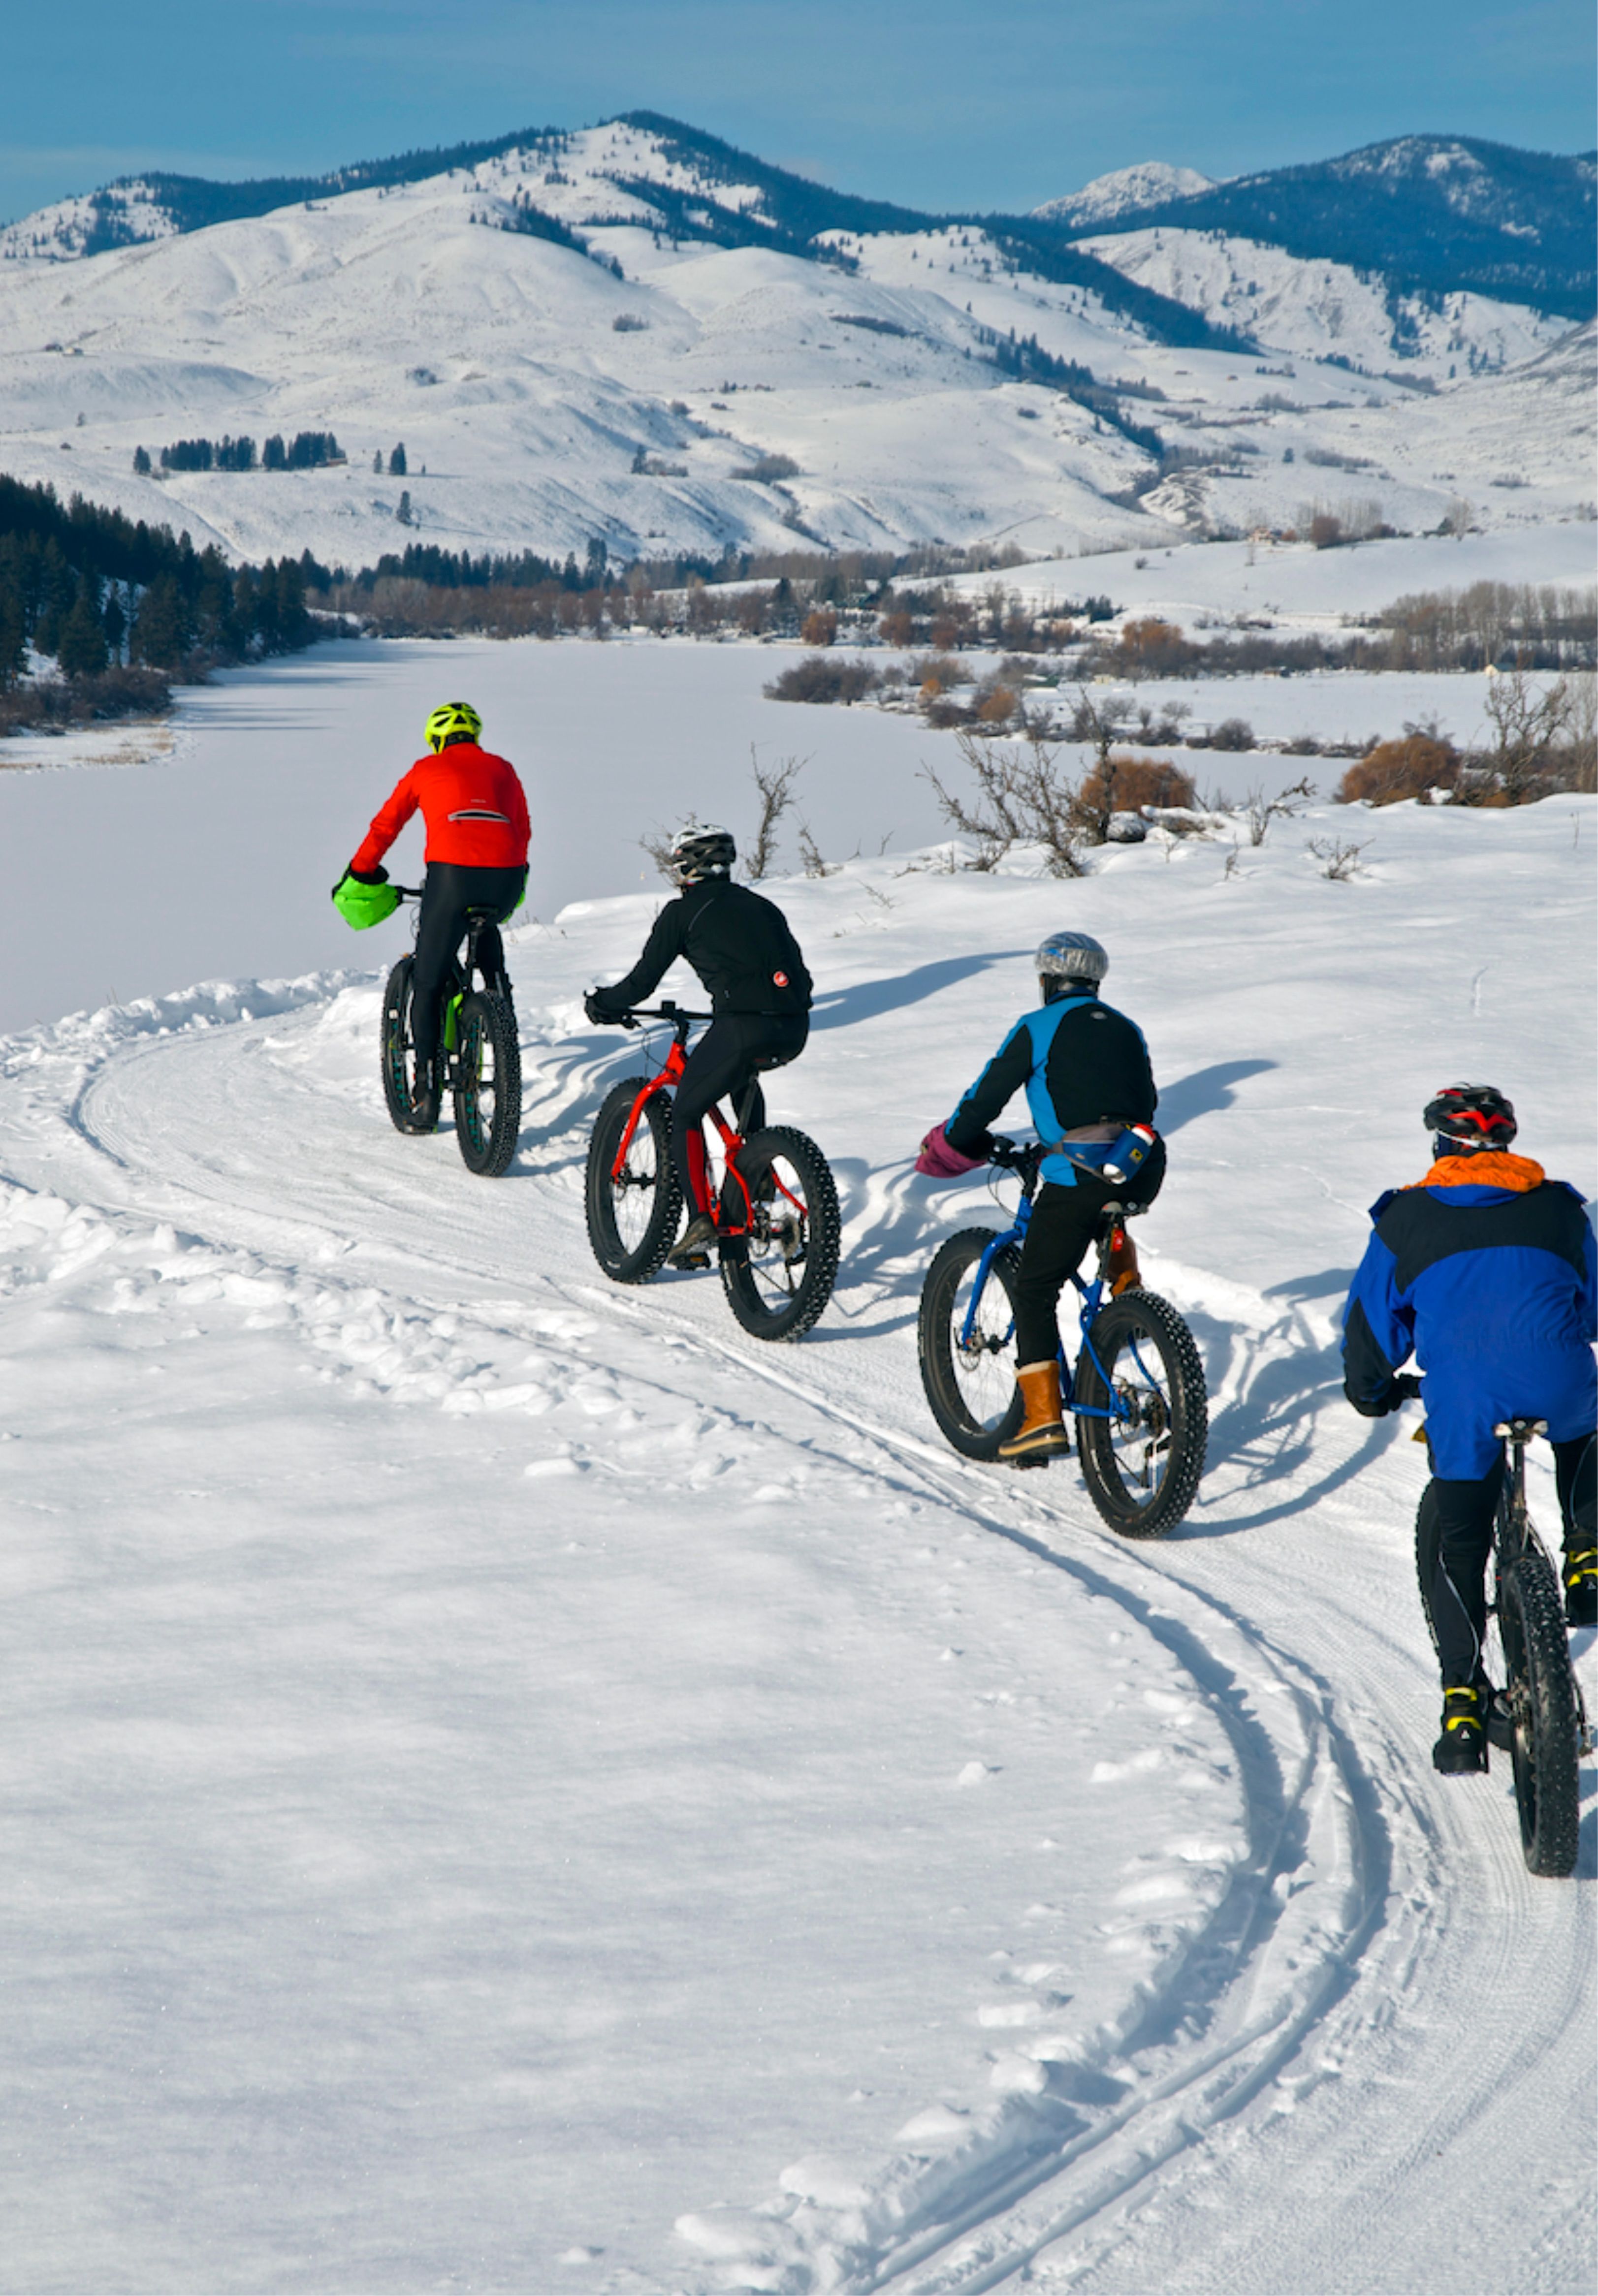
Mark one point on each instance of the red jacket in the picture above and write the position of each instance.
(474, 806)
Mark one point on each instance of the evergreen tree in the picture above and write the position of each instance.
(163, 632)
(274, 455)
(141, 462)
(403, 512)
(114, 618)
(377, 463)
(13, 641)
(396, 462)
(80, 649)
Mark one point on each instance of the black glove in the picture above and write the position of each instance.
(593, 1006)
(1405, 1389)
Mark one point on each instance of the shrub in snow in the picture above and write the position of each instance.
(1233, 733)
(1394, 771)
(818, 678)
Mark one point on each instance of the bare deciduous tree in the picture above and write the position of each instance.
(1526, 724)
(1022, 797)
(1338, 859)
(1259, 811)
(775, 785)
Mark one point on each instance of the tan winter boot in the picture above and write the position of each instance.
(1041, 1434)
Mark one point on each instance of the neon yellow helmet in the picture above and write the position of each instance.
(450, 722)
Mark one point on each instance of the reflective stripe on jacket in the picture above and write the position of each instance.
(474, 806)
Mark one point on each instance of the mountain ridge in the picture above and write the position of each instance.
(1429, 214)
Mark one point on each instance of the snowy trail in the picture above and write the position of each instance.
(1372, 1935)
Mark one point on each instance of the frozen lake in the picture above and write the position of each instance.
(242, 826)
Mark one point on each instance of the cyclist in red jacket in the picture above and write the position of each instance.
(477, 838)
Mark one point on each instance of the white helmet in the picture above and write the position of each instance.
(700, 849)
(1071, 957)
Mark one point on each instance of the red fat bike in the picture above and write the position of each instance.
(775, 1205)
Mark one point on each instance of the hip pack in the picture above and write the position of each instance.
(1128, 1152)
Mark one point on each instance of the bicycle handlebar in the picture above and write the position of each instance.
(666, 1011)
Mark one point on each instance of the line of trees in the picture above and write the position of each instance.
(94, 589)
(307, 450)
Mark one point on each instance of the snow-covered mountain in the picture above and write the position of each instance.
(637, 333)
(1150, 183)
(1427, 214)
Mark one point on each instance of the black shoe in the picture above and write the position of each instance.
(689, 1250)
(1461, 1750)
(425, 1105)
(1495, 1716)
(1581, 1586)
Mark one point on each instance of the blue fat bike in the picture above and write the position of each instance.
(1137, 1391)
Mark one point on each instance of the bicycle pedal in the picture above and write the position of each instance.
(695, 1262)
(1030, 1459)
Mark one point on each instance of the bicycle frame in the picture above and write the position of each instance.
(477, 923)
(1091, 1289)
(666, 1079)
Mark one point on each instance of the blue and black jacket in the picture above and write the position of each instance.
(1489, 1274)
(1079, 1063)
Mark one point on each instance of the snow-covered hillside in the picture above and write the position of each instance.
(1329, 310)
(1150, 184)
(512, 1784)
(667, 392)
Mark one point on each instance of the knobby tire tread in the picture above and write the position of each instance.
(823, 1239)
(934, 1342)
(1183, 1377)
(394, 1045)
(489, 1018)
(1545, 1753)
(639, 1263)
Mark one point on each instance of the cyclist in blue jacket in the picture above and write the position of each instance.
(1488, 1270)
(1085, 1070)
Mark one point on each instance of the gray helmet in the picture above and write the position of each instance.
(699, 850)
(1071, 957)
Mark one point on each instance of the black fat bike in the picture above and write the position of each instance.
(1538, 1717)
(480, 1056)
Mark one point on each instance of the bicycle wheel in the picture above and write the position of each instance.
(970, 1383)
(488, 1083)
(632, 1214)
(398, 1053)
(1541, 1697)
(779, 1276)
(1141, 1466)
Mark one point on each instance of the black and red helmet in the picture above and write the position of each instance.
(1463, 1118)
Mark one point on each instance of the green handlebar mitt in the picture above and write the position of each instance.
(361, 905)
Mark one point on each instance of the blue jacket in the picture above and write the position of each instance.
(1081, 1062)
(1495, 1287)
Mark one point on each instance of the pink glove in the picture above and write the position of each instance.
(939, 1162)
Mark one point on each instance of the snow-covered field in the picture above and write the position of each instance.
(512, 1785)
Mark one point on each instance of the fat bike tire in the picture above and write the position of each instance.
(632, 1220)
(1541, 1697)
(488, 1083)
(1141, 1467)
(971, 1390)
(397, 1049)
(779, 1277)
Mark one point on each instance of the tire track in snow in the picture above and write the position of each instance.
(1387, 1974)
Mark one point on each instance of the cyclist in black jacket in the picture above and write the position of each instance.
(739, 945)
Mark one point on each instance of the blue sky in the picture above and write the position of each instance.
(939, 104)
